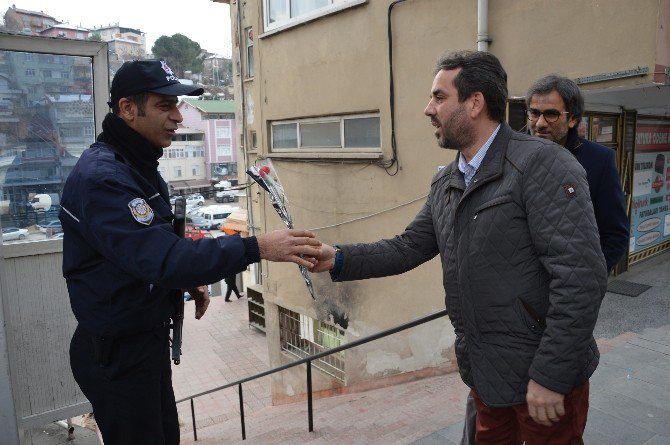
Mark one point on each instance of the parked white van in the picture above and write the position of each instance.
(215, 215)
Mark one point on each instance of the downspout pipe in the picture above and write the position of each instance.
(243, 121)
(483, 25)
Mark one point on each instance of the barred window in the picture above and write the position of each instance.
(303, 336)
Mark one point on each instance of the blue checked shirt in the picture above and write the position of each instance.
(470, 168)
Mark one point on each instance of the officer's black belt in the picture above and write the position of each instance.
(102, 345)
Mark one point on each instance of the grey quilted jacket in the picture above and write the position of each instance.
(522, 266)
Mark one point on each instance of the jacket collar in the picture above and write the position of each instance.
(493, 163)
(490, 168)
(573, 142)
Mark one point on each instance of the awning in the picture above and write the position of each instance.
(236, 222)
(194, 184)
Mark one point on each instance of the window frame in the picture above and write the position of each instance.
(377, 151)
(333, 8)
(249, 52)
(230, 148)
(223, 132)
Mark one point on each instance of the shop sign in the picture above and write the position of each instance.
(650, 212)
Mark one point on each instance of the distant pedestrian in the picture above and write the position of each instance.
(231, 284)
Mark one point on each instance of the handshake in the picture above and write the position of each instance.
(288, 245)
(296, 246)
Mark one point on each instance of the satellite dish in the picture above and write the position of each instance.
(41, 202)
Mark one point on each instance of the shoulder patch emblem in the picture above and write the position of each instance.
(570, 191)
(141, 211)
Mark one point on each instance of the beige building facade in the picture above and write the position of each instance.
(334, 95)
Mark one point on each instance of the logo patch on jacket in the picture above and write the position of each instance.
(141, 211)
(570, 190)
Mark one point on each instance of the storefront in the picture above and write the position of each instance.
(642, 146)
(650, 209)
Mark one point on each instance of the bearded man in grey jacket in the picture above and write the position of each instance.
(513, 223)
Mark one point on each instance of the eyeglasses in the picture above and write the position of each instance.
(550, 116)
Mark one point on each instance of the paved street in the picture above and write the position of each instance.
(630, 390)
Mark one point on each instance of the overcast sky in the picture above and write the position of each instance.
(203, 21)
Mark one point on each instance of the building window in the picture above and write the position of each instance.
(177, 171)
(30, 72)
(337, 133)
(64, 75)
(223, 132)
(175, 153)
(223, 149)
(249, 37)
(89, 131)
(197, 152)
(302, 336)
(195, 170)
(285, 12)
(46, 74)
(161, 170)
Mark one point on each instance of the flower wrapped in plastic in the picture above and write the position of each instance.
(265, 175)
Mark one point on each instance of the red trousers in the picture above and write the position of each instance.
(512, 425)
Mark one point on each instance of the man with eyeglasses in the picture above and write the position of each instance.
(555, 107)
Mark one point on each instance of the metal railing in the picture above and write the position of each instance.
(307, 360)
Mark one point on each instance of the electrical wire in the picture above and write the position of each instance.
(371, 215)
(387, 165)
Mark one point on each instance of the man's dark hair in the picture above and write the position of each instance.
(139, 99)
(566, 88)
(480, 71)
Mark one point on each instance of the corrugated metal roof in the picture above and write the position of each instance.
(211, 106)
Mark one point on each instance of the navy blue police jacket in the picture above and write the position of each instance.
(122, 259)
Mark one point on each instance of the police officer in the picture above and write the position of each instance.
(122, 259)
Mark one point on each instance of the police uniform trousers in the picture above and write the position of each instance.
(132, 397)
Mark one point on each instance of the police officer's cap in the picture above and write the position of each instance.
(154, 76)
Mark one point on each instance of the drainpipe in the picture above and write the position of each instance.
(483, 25)
(250, 218)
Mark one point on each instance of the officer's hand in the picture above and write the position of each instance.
(544, 405)
(326, 259)
(201, 296)
(289, 245)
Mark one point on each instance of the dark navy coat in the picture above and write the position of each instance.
(606, 194)
(121, 256)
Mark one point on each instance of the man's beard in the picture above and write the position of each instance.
(557, 135)
(457, 132)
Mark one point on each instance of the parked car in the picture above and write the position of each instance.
(13, 233)
(196, 199)
(198, 222)
(192, 209)
(226, 196)
(51, 228)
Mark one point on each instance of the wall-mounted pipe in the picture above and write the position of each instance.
(483, 25)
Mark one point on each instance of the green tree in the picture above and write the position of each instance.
(180, 52)
(95, 36)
